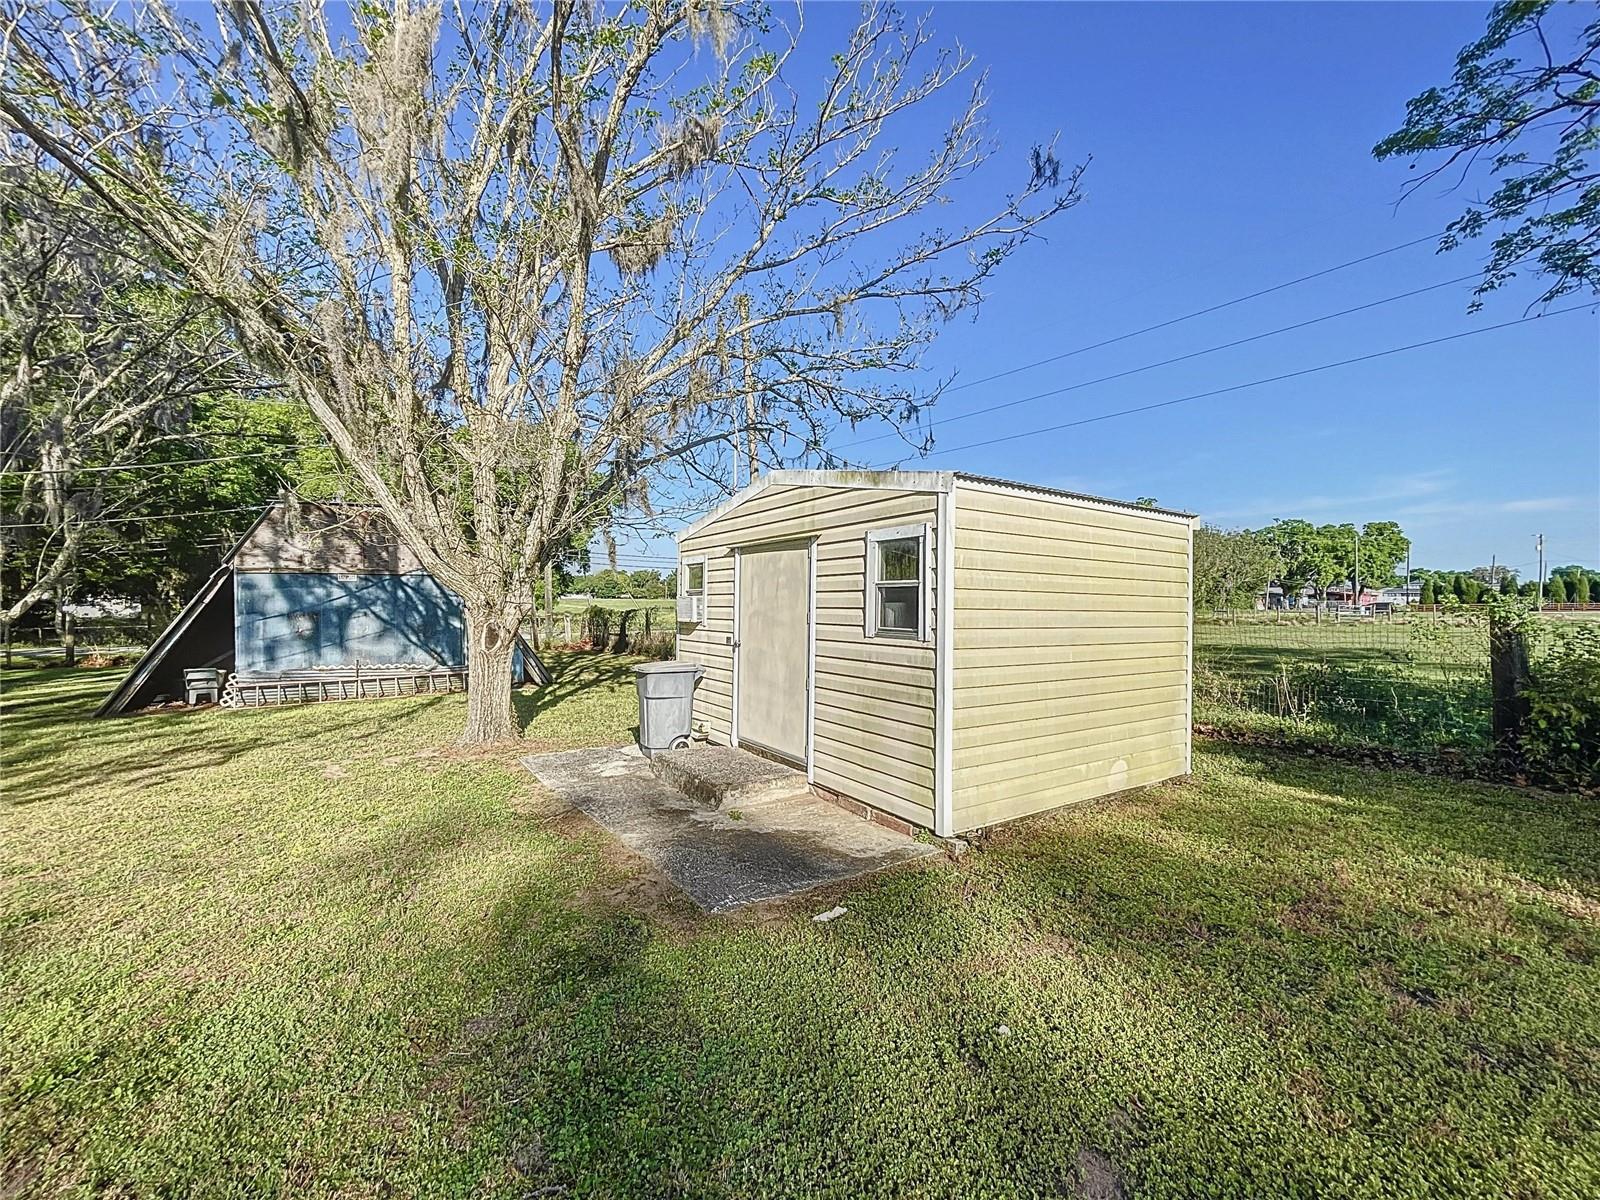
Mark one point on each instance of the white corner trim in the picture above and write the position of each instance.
(1188, 663)
(733, 715)
(811, 663)
(944, 667)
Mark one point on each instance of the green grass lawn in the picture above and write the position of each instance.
(319, 953)
(1434, 646)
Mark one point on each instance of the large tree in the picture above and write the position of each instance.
(1384, 547)
(1523, 101)
(527, 263)
(1231, 567)
(1302, 555)
(107, 366)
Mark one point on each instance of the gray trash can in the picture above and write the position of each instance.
(666, 703)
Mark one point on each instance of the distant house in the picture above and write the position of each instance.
(1273, 597)
(312, 592)
(106, 606)
(1378, 600)
(1399, 597)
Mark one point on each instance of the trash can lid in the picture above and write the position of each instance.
(664, 668)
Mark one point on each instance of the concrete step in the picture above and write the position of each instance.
(721, 777)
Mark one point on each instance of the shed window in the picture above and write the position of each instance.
(897, 583)
(694, 577)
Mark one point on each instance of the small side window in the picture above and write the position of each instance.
(897, 583)
(692, 591)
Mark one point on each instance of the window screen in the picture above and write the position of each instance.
(897, 582)
(899, 585)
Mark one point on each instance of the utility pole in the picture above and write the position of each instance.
(749, 392)
(1538, 541)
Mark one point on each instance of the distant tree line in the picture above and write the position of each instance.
(1571, 584)
(611, 584)
(1234, 566)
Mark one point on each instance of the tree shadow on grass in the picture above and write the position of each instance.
(574, 675)
(868, 1057)
(1168, 988)
(54, 751)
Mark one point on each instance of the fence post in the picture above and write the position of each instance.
(1508, 677)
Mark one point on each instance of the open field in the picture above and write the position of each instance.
(1418, 682)
(320, 953)
(577, 606)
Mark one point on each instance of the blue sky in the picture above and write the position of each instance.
(1231, 152)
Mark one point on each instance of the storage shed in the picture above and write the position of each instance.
(947, 648)
(311, 587)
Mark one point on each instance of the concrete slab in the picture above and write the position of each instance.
(728, 857)
(722, 777)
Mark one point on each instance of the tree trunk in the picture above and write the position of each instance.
(491, 645)
(1508, 681)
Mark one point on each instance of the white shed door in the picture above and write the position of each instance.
(774, 620)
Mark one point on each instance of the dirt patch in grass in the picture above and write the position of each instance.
(1098, 1177)
(1319, 912)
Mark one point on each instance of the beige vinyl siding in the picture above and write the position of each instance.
(1070, 663)
(874, 698)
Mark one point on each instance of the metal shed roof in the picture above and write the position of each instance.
(1050, 491)
(916, 481)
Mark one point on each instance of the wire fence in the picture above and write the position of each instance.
(647, 629)
(1411, 681)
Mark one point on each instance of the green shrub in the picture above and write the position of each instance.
(1562, 739)
(597, 622)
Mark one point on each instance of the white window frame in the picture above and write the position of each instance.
(924, 592)
(683, 575)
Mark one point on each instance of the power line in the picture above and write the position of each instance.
(1122, 337)
(1237, 387)
(95, 521)
(174, 462)
(1167, 362)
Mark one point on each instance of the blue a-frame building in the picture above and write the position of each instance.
(309, 586)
